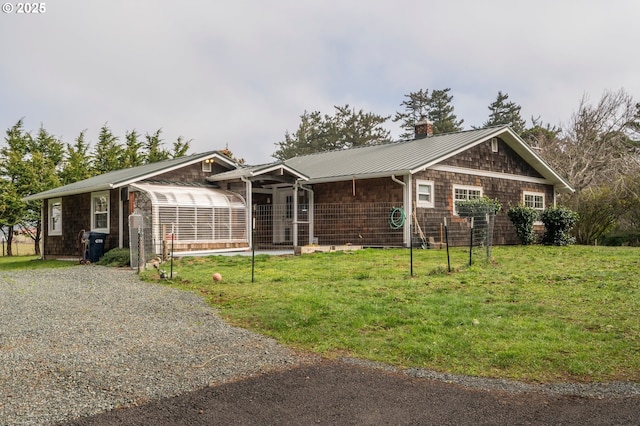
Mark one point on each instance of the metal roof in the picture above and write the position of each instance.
(123, 177)
(175, 195)
(382, 160)
(396, 158)
(411, 156)
(254, 171)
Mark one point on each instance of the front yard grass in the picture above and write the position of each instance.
(538, 314)
(10, 263)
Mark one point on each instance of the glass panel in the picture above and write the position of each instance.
(424, 193)
(101, 220)
(56, 213)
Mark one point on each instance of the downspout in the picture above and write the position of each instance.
(45, 227)
(406, 201)
(120, 219)
(295, 215)
(249, 201)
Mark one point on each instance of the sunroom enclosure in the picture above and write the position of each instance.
(191, 218)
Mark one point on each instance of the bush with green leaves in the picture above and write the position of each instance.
(523, 218)
(115, 257)
(478, 207)
(558, 222)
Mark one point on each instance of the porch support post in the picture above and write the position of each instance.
(295, 214)
(249, 210)
(121, 220)
(309, 210)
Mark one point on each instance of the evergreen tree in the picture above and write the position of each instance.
(131, 154)
(11, 205)
(416, 107)
(28, 166)
(347, 128)
(180, 147)
(441, 112)
(437, 108)
(153, 147)
(77, 163)
(505, 113)
(107, 152)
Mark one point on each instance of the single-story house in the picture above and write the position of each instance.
(206, 202)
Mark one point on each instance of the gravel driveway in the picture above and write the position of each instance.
(81, 340)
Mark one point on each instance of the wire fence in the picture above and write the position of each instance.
(378, 225)
(19, 248)
(369, 225)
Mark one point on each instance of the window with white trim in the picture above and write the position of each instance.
(55, 216)
(100, 211)
(465, 193)
(206, 165)
(535, 200)
(424, 194)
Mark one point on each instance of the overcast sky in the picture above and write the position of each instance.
(242, 72)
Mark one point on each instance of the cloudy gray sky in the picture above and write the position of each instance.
(242, 72)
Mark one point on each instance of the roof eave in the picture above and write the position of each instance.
(329, 179)
(47, 195)
(538, 162)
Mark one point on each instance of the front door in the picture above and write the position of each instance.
(283, 216)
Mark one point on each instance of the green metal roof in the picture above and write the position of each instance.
(123, 177)
(383, 160)
(397, 158)
(411, 156)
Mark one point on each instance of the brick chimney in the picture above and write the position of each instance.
(423, 128)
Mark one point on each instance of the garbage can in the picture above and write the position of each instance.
(95, 245)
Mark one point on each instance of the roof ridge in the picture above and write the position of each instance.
(498, 126)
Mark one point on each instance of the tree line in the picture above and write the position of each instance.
(33, 163)
(597, 151)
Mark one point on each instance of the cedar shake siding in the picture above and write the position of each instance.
(382, 190)
(192, 173)
(76, 217)
(356, 212)
(506, 191)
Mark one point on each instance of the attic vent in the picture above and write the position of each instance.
(494, 144)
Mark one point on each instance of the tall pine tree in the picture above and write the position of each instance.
(437, 108)
(347, 128)
(107, 152)
(505, 113)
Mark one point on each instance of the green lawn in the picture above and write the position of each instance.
(536, 313)
(8, 263)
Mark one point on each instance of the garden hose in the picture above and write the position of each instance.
(397, 218)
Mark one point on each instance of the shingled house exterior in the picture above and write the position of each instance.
(158, 194)
(288, 203)
(424, 176)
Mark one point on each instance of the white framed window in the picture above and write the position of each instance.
(100, 211)
(424, 194)
(206, 165)
(494, 144)
(535, 200)
(465, 193)
(55, 216)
